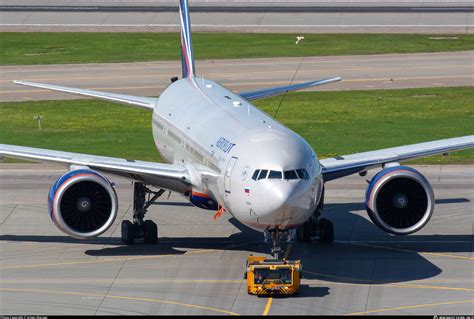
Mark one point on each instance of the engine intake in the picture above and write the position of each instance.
(400, 200)
(82, 203)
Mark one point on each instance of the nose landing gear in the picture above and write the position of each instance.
(140, 228)
(322, 229)
(276, 249)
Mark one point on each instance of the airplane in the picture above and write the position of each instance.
(224, 154)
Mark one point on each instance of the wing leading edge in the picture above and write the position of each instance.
(345, 165)
(137, 101)
(169, 176)
(260, 94)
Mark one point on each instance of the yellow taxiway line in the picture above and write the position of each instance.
(415, 251)
(267, 307)
(411, 307)
(119, 297)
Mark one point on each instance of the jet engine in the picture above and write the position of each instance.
(399, 200)
(82, 203)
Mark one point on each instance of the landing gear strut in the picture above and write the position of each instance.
(140, 228)
(322, 229)
(276, 249)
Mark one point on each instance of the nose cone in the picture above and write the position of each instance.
(279, 197)
(286, 203)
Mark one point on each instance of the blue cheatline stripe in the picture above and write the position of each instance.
(186, 41)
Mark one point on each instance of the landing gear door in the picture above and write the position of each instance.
(228, 173)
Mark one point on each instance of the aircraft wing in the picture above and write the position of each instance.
(137, 101)
(169, 176)
(260, 94)
(345, 165)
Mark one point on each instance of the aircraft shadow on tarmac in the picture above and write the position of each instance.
(361, 254)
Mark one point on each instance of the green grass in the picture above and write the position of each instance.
(334, 123)
(47, 48)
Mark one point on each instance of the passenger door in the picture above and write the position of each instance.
(228, 173)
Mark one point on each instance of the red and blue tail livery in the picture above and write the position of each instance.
(187, 55)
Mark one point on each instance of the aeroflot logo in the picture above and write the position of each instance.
(224, 145)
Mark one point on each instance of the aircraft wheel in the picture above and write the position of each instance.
(303, 232)
(150, 232)
(326, 231)
(128, 232)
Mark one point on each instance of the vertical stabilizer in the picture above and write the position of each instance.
(187, 55)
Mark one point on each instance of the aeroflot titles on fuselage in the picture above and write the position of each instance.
(225, 145)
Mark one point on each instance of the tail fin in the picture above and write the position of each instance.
(187, 54)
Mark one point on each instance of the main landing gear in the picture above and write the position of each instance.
(322, 229)
(140, 228)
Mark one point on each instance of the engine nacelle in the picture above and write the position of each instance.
(82, 203)
(400, 200)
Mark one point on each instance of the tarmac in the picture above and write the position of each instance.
(239, 16)
(198, 264)
(386, 71)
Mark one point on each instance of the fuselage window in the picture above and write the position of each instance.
(274, 175)
(263, 174)
(255, 174)
(290, 175)
(302, 173)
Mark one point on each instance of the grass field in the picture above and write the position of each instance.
(334, 123)
(48, 48)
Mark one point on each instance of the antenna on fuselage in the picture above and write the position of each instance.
(187, 54)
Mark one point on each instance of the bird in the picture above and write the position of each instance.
(298, 39)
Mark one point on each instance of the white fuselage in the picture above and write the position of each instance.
(211, 130)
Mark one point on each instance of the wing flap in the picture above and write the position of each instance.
(169, 176)
(260, 94)
(345, 165)
(137, 101)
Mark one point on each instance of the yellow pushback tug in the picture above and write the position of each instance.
(272, 277)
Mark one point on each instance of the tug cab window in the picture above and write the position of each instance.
(282, 275)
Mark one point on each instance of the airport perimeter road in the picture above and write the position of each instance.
(150, 78)
(240, 16)
(198, 265)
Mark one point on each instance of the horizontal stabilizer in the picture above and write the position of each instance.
(260, 94)
(137, 101)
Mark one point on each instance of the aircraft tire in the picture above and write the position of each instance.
(128, 232)
(326, 229)
(150, 232)
(303, 233)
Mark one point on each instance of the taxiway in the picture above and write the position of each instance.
(197, 267)
(385, 71)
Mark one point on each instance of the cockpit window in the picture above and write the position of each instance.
(263, 174)
(291, 175)
(302, 173)
(274, 175)
(255, 174)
